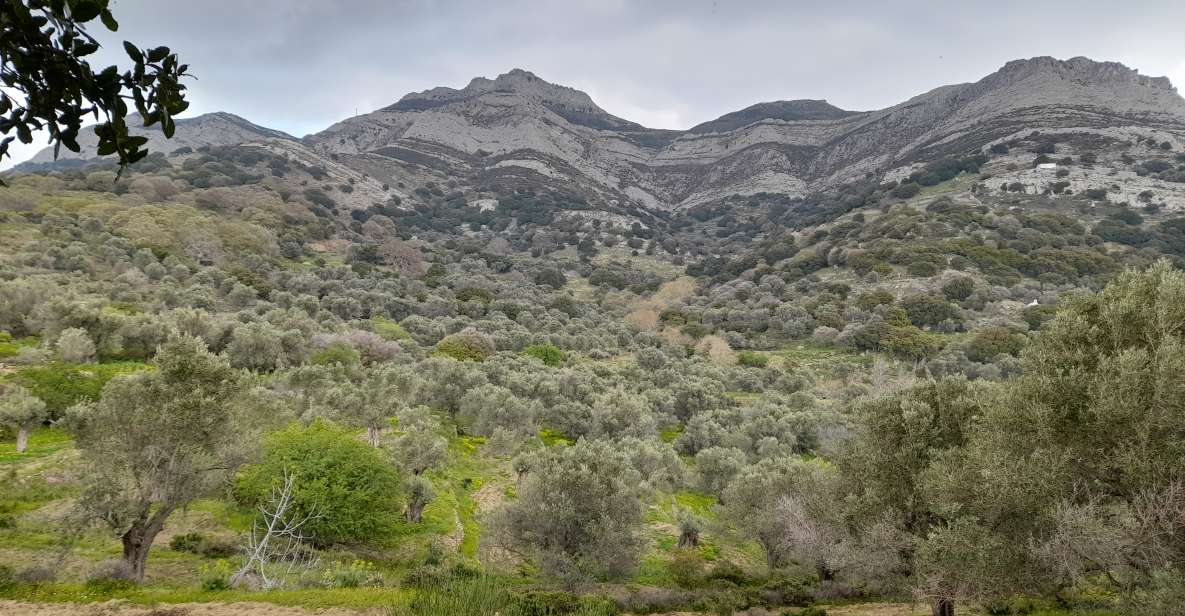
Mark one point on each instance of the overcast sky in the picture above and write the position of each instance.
(300, 65)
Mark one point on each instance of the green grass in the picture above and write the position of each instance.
(314, 598)
(816, 356)
(670, 433)
(699, 503)
(43, 442)
(552, 437)
(12, 347)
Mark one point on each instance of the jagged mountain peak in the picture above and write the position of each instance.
(1078, 68)
(516, 81)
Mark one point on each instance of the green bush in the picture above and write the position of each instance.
(336, 353)
(750, 359)
(467, 345)
(922, 269)
(549, 354)
(215, 576)
(958, 289)
(356, 574)
(351, 488)
(1036, 316)
(926, 310)
(727, 571)
(189, 542)
(990, 342)
(687, 568)
(906, 190)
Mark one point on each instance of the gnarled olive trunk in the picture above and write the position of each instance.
(22, 439)
(415, 511)
(374, 435)
(137, 541)
(943, 606)
(689, 538)
(823, 570)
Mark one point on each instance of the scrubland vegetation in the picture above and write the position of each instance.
(219, 385)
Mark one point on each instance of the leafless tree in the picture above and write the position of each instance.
(276, 548)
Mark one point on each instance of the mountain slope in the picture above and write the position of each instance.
(211, 129)
(522, 126)
(519, 132)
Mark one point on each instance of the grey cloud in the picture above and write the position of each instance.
(300, 65)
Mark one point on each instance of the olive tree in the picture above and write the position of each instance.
(899, 439)
(1074, 471)
(75, 346)
(418, 445)
(376, 398)
(157, 439)
(21, 411)
(578, 513)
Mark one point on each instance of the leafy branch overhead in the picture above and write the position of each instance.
(49, 85)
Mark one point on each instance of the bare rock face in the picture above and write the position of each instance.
(519, 123)
(211, 129)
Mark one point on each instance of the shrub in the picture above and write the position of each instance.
(75, 346)
(551, 277)
(215, 576)
(922, 269)
(929, 309)
(189, 542)
(336, 353)
(549, 354)
(993, 341)
(958, 289)
(474, 294)
(906, 190)
(348, 484)
(687, 568)
(466, 345)
(750, 359)
(1036, 316)
(356, 574)
(727, 571)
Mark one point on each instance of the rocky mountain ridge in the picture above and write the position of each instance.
(519, 130)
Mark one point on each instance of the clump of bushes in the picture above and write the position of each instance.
(197, 543)
(549, 354)
(750, 359)
(466, 345)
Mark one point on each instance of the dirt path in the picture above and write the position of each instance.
(119, 608)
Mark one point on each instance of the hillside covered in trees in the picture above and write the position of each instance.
(219, 383)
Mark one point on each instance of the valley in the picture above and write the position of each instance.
(494, 350)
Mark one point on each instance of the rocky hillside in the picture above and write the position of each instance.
(496, 137)
(211, 129)
(523, 127)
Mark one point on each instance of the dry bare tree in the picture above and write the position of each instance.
(276, 547)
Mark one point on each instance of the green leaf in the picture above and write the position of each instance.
(133, 52)
(85, 10)
(109, 20)
(158, 54)
(169, 127)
